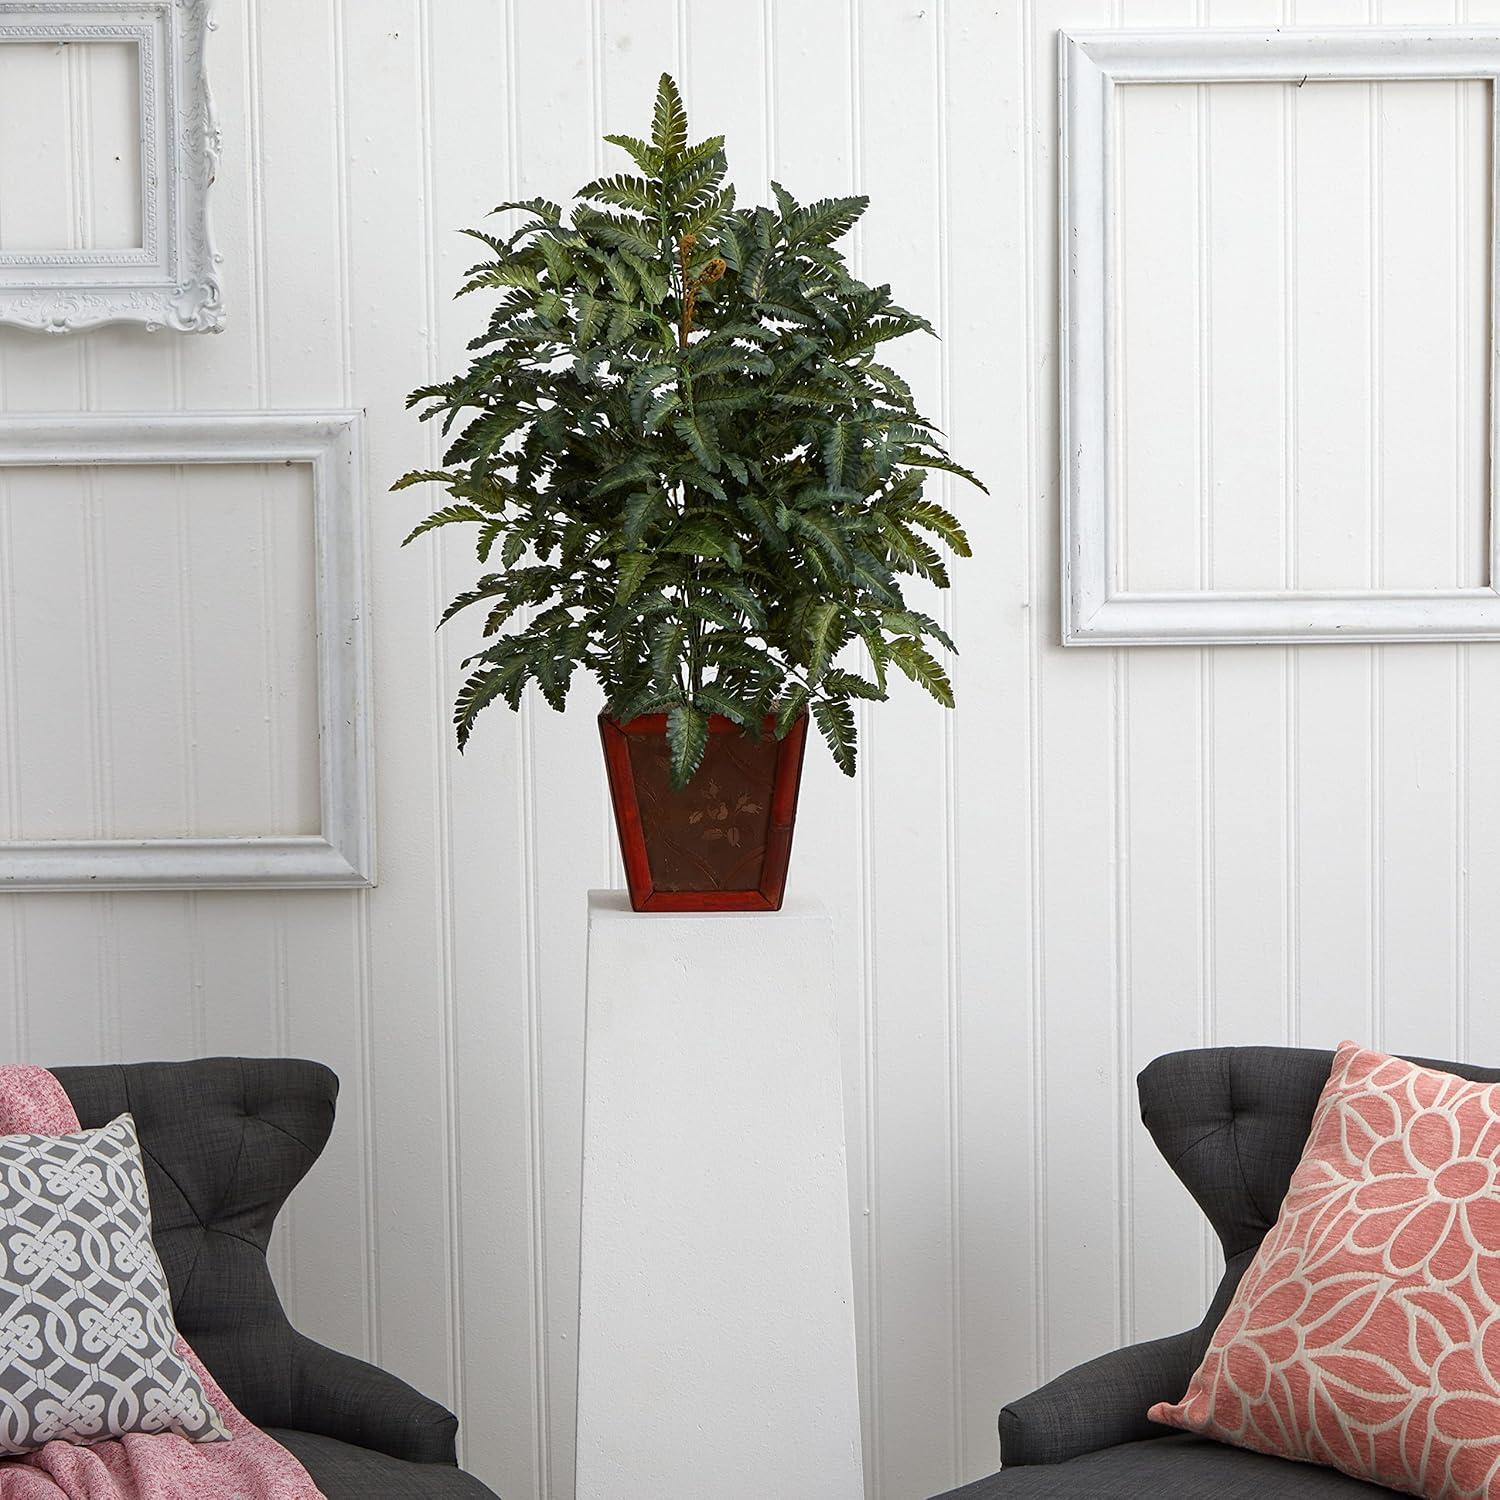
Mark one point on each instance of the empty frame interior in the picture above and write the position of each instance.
(1302, 335)
(165, 616)
(70, 147)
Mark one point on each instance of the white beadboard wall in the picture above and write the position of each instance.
(1099, 857)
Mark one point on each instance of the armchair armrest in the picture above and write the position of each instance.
(338, 1396)
(1097, 1404)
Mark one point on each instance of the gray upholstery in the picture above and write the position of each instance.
(1179, 1466)
(342, 1469)
(225, 1141)
(1231, 1122)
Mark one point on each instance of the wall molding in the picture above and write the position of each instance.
(1096, 610)
(343, 852)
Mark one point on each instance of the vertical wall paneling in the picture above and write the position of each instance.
(1247, 792)
(432, 143)
(902, 170)
(561, 145)
(813, 132)
(1075, 764)
(1160, 708)
(986, 401)
(388, 253)
(473, 156)
(1101, 856)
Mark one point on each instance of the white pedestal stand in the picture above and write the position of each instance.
(716, 1338)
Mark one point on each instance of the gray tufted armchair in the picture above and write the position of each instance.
(1231, 1122)
(225, 1141)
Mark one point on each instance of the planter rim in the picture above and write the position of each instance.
(717, 724)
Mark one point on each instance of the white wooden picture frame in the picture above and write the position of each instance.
(343, 852)
(1096, 609)
(171, 281)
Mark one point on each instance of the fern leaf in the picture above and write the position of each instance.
(698, 434)
(841, 684)
(592, 315)
(703, 217)
(666, 404)
(785, 202)
(687, 738)
(790, 709)
(820, 530)
(827, 220)
(690, 166)
(919, 664)
(888, 380)
(876, 645)
(932, 517)
(695, 476)
(742, 596)
(640, 509)
(910, 553)
(643, 386)
(547, 211)
(922, 459)
(476, 694)
(836, 721)
(700, 536)
(823, 638)
(837, 443)
(730, 705)
(631, 570)
(669, 125)
(622, 191)
(489, 534)
(422, 476)
(499, 276)
(910, 622)
(487, 588)
(666, 650)
(560, 267)
(647, 158)
(445, 517)
(619, 232)
(632, 471)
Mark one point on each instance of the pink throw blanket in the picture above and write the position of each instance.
(143, 1466)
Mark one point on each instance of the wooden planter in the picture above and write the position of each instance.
(723, 843)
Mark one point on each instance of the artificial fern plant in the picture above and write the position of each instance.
(701, 483)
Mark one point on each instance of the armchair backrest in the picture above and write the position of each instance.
(225, 1140)
(1231, 1123)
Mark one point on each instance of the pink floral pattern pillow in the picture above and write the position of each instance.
(1365, 1334)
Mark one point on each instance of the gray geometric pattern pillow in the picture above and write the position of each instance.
(87, 1338)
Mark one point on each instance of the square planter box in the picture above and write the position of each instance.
(724, 841)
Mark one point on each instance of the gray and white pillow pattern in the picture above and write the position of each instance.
(88, 1343)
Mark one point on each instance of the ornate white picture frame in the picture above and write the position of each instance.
(1096, 609)
(343, 852)
(171, 281)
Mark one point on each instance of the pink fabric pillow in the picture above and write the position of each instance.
(1365, 1334)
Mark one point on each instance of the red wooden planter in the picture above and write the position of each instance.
(722, 843)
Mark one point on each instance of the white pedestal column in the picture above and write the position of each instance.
(716, 1338)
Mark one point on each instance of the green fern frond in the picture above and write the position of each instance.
(687, 737)
(835, 720)
(919, 664)
(669, 126)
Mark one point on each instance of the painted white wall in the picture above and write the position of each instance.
(1101, 856)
